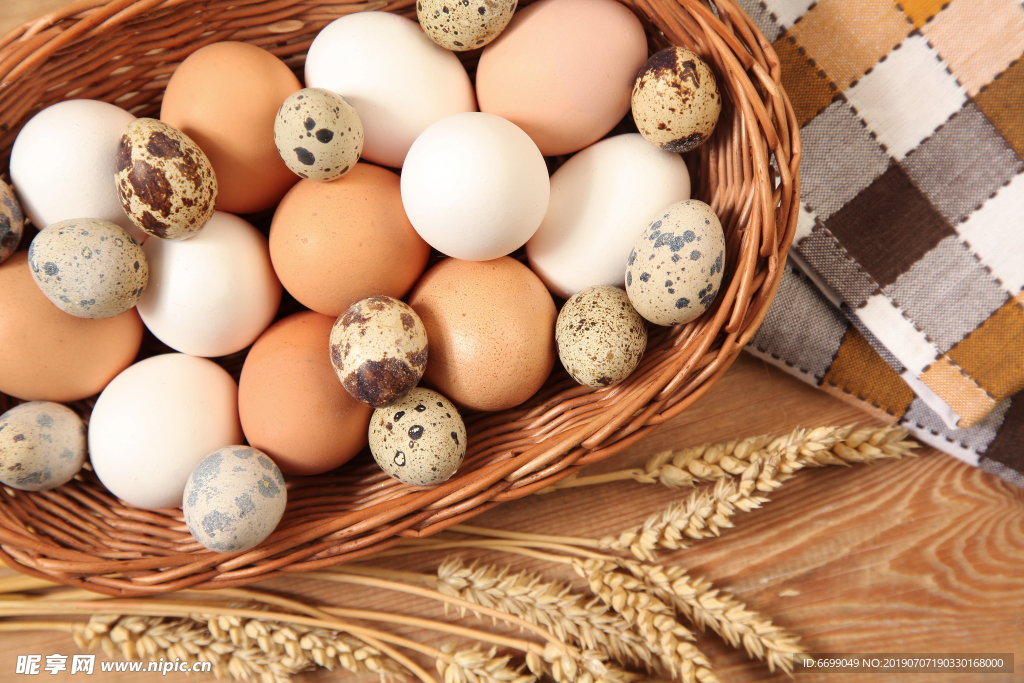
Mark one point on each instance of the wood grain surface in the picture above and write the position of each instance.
(924, 555)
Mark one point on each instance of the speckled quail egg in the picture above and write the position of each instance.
(379, 350)
(462, 25)
(165, 182)
(89, 268)
(12, 221)
(675, 269)
(234, 499)
(318, 134)
(421, 440)
(42, 445)
(600, 336)
(676, 102)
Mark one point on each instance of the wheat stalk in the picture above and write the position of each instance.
(705, 605)
(244, 649)
(570, 616)
(654, 619)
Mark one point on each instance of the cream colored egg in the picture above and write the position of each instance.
(379, 350)
(675, 270)
(462, 25)
(89, 268)
(675, 101)
(234, 499)
(42, 445)
(12, 222)
(165, 182)
(600, 336)
(421, 440)
(318, 134)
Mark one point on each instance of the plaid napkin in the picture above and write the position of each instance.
(910, 243)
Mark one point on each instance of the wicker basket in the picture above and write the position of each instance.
(123, 51)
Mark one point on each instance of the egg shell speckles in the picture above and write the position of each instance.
(462, 25)
(600, 336)
(421, 440)
(89, 268)
(42, 445)
(675, 270)
(165, 182)
(379, 350)
(318, 134)
(675, 100)
(12, 221)
(234, 499)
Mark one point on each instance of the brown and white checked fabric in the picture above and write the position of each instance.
(912, 220)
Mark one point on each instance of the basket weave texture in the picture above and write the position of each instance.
(123, 51)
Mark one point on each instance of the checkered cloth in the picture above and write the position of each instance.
(910, 241)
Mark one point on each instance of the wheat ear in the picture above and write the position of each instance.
(572, 617)
(744, 471)
(243, 649)
(654, 619)
(705, 605)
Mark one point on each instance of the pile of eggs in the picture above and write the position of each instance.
(388, 161)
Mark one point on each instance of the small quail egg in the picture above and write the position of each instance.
(462, 25)
(165, 182)
(89, 268)
(234, 499)
(675, 269)
(318, 134)
(676, 102)
(421, 440)
(42, 445)
(379, 350)
(600, 336)
(12, 222)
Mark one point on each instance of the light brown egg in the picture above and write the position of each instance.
(675, 100)
(334, 243)
(225, 96)
(292, 406)
(563, 70)
(49, 355)
(491, 326)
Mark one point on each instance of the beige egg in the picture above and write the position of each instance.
(12, 222)
(676, 102)
(42, 445)
(379, 350)
(165, 182)
(675, 269)
(234, 499)
(600, 336)
(462, 25)
(318, 134)
(89, 268)
(421, 440)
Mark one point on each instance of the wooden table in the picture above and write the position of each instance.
(923, 555)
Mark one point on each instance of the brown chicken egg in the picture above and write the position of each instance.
(50, 355)
(333, 243)
(292, 406)
(225, 97)
(491, 326)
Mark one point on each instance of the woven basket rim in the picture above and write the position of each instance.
(123, 50)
